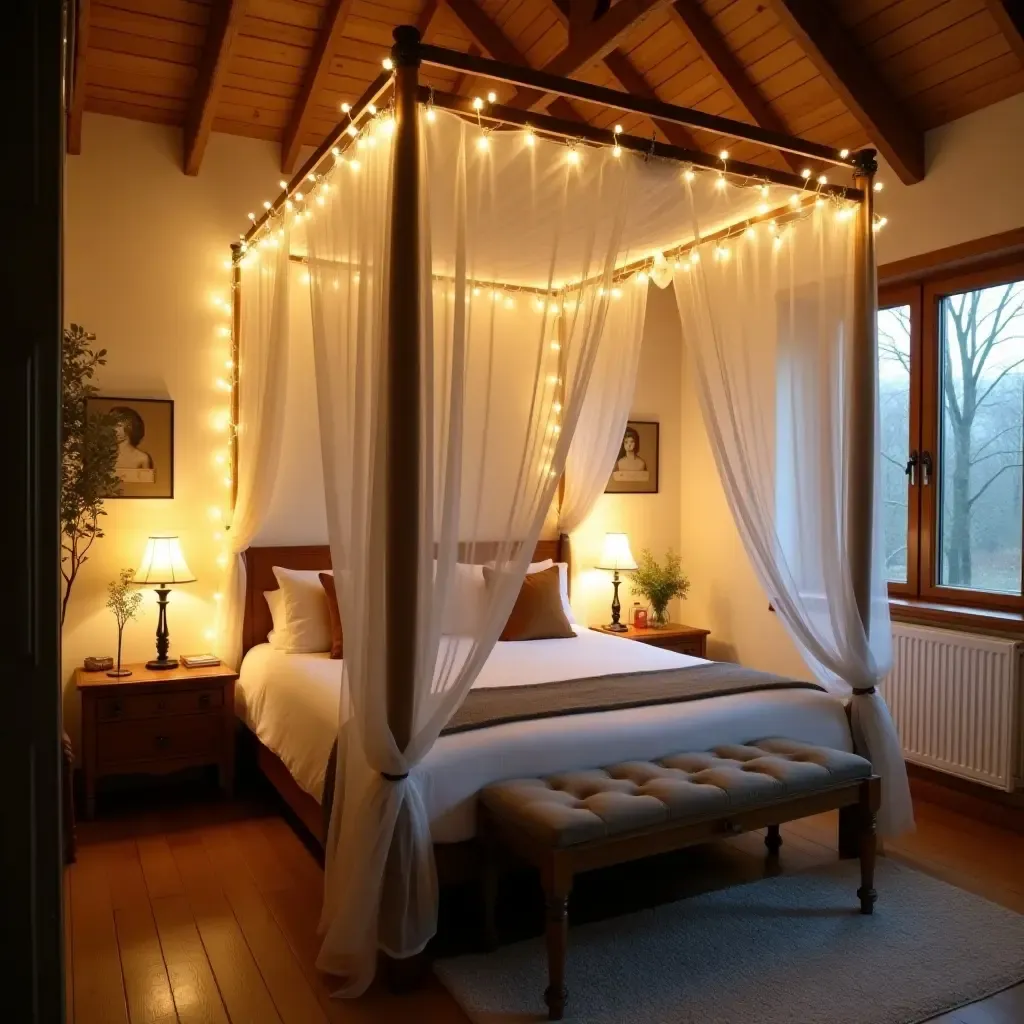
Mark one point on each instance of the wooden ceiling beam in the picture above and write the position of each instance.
(225, 22)
(731, 75)
(826, 42)
(427, 16)
(328, 40)
(76, 110)
(1009, 16)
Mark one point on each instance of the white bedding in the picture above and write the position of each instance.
(291, 701)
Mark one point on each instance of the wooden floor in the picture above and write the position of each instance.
(205, 912)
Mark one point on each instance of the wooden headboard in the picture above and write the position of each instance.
(259, 576)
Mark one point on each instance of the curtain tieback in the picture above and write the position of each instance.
(863, 691)
(399, 778)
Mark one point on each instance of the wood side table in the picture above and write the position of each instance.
(673, 637)
(155, 722)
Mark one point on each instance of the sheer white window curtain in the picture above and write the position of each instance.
(767, 321)
(261, 375)
(504, 373)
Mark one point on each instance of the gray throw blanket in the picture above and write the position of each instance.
(497, 705)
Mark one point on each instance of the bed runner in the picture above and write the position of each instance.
(496, 705)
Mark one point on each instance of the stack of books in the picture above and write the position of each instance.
(199, 660)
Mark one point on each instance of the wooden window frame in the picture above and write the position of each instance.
(922, 597)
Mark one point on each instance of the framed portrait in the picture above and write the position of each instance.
(636, 466)
(144, 428)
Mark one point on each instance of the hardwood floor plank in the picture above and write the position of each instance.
(241, 986)
(268, 869)
(284, 978)
(158, 867)
(145, 975)
(99, 988)
(196, 996)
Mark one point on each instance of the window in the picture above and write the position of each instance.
(951, 402)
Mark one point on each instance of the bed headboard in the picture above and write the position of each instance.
(259, 576)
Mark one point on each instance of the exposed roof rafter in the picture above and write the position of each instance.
(77, 108)
(225, 22)
(627, 75)
(328, 40)
(733, 78)
(426, 19)
(1009, 16)
(826, 42)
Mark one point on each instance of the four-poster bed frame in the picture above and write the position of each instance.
(401, 80)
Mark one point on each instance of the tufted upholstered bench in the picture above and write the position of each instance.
(580, 820)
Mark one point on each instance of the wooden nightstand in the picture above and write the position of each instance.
(673, 637)
(156, 722)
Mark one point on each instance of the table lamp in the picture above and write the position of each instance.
(163, 564)
(615, 556)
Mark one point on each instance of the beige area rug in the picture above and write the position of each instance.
(786, 950)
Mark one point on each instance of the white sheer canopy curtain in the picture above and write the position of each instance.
(503, 373)
(261, 376)
(768, 321)
(605, 409)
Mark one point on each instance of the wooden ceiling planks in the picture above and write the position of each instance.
(940, 59)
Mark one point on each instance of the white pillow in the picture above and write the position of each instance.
(302, 623)
(466, 600)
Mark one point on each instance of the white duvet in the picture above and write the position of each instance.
(291, 701)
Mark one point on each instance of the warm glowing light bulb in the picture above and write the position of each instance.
(694, 256)
(352, 130)
(616, 150)
(251, 216)
(492, 97)
(724, 155)
(354, 165)
(616, 293)
(539, 305)
(805, 173)
(478, 103)
(762, 208)
(431, 115)
(387, 64)
(688, 175)
(289, 205)
(298, 197)
(822, 180)
(335, 152)
(482, 143)
(555, 346)
(371, 107)
(844, 153)
(777, 242)
(476, 291)
(345, 108)
(530, 138)
(794, 200)
(720, 183)
(878, 186)
(320, 200)
(750, 232)
(266, 204)
(573, 157)
(618, 129)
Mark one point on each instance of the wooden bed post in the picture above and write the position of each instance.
(236, 322)
(863, 385)
(403, 385)
(860, 479)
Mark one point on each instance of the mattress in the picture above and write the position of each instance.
(291, 702)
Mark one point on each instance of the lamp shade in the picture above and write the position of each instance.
(616, 553)
(163, 562)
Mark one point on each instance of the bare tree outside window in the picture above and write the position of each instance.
(894, 413)
(982, 439)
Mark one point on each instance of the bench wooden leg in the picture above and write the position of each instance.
(773, 840)
(867, 808)
(557, 884)
(849, 832)
(489, 892)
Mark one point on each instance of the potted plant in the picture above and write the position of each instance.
(124, 602)
(659, 583)
(88, 456)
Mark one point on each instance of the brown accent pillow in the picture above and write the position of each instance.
(337, 636)
(537, 613)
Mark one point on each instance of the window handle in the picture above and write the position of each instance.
(926, 468)
(911, 469)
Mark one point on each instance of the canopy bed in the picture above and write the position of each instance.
(477, 278)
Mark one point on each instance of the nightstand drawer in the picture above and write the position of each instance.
(153, 705)
(691, 647)
(155, 739)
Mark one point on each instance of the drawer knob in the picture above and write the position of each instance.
(161, 705)
(115, 708)
(204, 700)
(162, 742)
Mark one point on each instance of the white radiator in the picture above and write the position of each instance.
(956, 701)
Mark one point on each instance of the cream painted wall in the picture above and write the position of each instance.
(972, 189)
(144, 253)
(650, 520)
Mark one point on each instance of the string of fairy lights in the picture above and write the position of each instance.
(369, 126)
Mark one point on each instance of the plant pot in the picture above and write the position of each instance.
(659, 617)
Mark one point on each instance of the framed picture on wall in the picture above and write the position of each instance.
(636, 466)
(144, 428)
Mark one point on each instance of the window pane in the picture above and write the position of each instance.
(982, 382)
(894, 409)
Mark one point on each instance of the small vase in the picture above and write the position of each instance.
(659, 617)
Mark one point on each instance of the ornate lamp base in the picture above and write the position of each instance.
(163, 638)
(615, 626)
